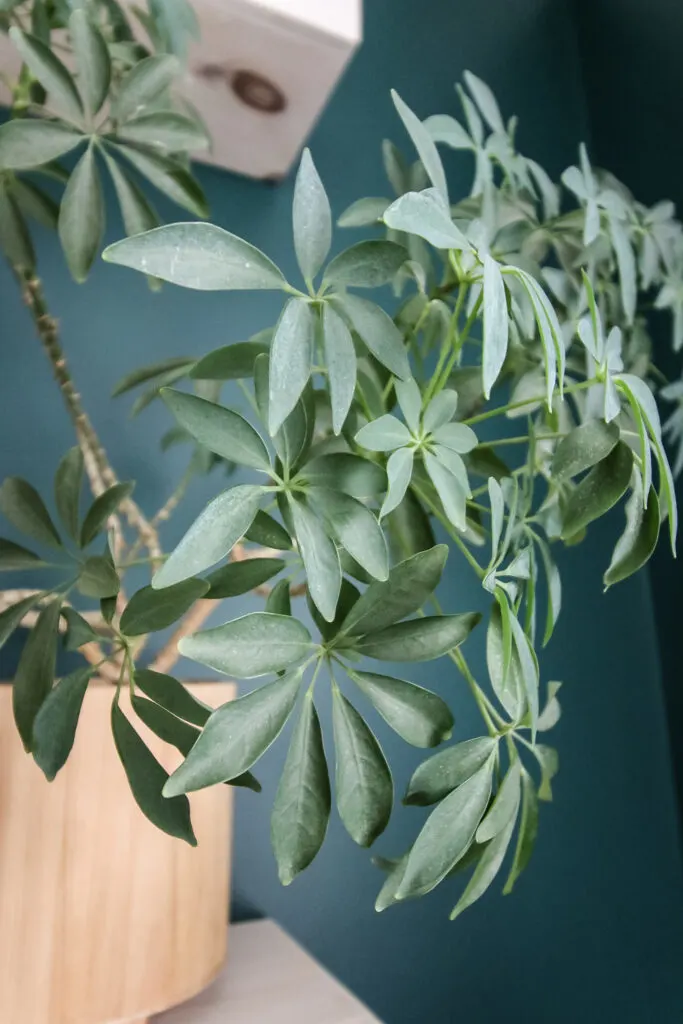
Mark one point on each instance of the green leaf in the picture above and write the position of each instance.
(35, 203)
(444, 128)
(267, 532)
(528, 670)
(51, 73)
(101, 510)
(236, 735)
(383, 434)
(279, 599)
(15, 239)
(551, 713)
(25, 144)
(78, 630)
(399, 474)
(440, 774)
(495, 324)
(81, 216)
(626, 263)
(302, 803)
(250, 646)
(232, 362)
(98, 577)
(503, 664)
(147, 373)
(364, 789)
(166, 726)
(290, 361)
(599, 491)
(219, 429)
(424, 214)
(145, 81)
(166, 130)
(36, 670)
(387, 894)
(173, 696)
(320, 558)
(340, 358)
(92, 60)
(21, 504)
(554, 587)
(15, 557)
(54, 728)
(418, 639)
(355, 528)
(419, 716)
(489, 865)
(638, 541)
(549, 762)
(12, 617)
(348, 473)
(583, 447)
(452, 494)
(504, 808)
(409, 585)
(212, 536)
(147, 779)
(173, 179)
(136, 211)
(68, 483)
(424, 145)
(150, 610)
(177, 25)
(363, 212)
(378, 331)
(240, 577)
(410, 400)
(447, 834)
(312, 219)
(348, 595)
(486, 101)
(368, 264)
(528, 829)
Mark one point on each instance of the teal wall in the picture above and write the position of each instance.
(594, 931)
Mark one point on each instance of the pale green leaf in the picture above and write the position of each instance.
(486, 101)
(583, 447)
(250, 646)
(355, 528)
(368, 264)
(340, 358)
(383, 434)
(378, 331)
(504, 808)
(399, 474)
(219, 429)
(312, 218)
(528, 828)
(426, 215)
(424, 145)
(290, 361)
(363, 212)
(346, 472)
(410, 401)
(449, 489)
(440, 774)
(495, 324)
(490, 863)
(92, 60)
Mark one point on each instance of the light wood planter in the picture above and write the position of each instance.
(102, 917)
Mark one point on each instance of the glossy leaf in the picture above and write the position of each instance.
(102, 508)
(598, 491)
(368, 264)
(68, 484)
(250, 646)
(419, 639)
(219, 429)
(54, 728)
(36, 670)
(236, 735)
(419, 716)
(355, 528)
(21, 504)
(340, 358)
(320, 558)
(440, 774)
(378, 331)
(312, 218)
(25, 143)
(290, 361)
(363, 785)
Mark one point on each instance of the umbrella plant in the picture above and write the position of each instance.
(483, 410)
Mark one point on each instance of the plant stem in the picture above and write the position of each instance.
(502, 409)
(450, 530)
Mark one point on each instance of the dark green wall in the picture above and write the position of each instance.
(594, 931)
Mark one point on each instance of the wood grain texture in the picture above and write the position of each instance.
(270, 979)
(104, 918)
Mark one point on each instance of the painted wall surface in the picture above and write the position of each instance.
(594, 931)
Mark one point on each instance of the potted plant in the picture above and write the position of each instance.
(506, 405)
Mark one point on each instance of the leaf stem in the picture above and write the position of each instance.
(502, 409)
(445, 522)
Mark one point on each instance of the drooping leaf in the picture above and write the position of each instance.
(21, 504)
(355, 527)
(377, 330)
(290, 361)
(212, 535)
(54, 728)
(490, 863)
(503, 810)
(150, 610)
(363, 785)
(240, 577)
(147, 779)
(145, 81)
(219, 429)
(81, 216)
(638, 541)
(419, 716)
(528, 828)
(418, 639)
(495, 324)
(409, 585)
(598, 491)
(151, 372)
(14, 557)
(340, 358)
(102, 508)
(92, 60)
(68, 483)
(368, 264)
(36, 670)
(250, 646)
(26, 143)
(320, 558)
(583, 447)
(51, 73)
(440, 774)
(173, 696)
(312, 218)
(302, 803)
(12, 617)
(236, 735)
(167, 727)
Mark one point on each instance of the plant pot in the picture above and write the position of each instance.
(102, 917)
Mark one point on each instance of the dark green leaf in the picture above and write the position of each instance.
(81, 216)
(312, 218)
(236, 735)
(267, 532)
(102, 508)
(345, 472)
(35, 203)
(212, 535)
(410, 530)
(302, 804)
(364, 789)
(340, 358)
(598, 491)
(147, 80)
(108, 608)
(54, 728)
(98, 577)
(583, 448)
(219, 429)
(136, 211)
(320, 558)
(240, 577)
(354, 527)
(503, 809)
(150, 610)
(489, 865)
(387, 894)
(250, 646)
(15, 557)
(419, 716)
(409, 585)
(528, 828)
(348, 595)
(21, 504)
(378, 331)
(172, 695)
(368, 264)
(440, 774)
(639, 539)
(147, 779)
(168, 175)
(11, 618)
(25, 144)
(78, 630)
(68, 482)
(165, 725)
(15, 239)
(51, 73)
(92, 60)
(418, 639)
(147, 373)
(232, 362)
(279, 599)
(171, 132)
(36, 670)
